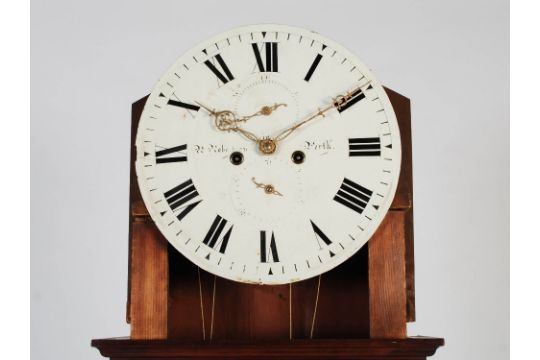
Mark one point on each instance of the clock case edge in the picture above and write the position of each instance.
(153, 294)
(412, 348)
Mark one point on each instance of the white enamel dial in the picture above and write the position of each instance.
(282, 216)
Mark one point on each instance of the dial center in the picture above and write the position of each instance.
(267, 146)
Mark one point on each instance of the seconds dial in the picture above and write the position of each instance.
(268, 154)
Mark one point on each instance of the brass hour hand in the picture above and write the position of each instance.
(211, 111)
(227, 120)
(268, 188)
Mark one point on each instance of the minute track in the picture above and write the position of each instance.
(207, 205)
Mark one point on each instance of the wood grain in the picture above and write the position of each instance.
(343, 309)
(149, 282)
(185, 315)
(254, 312)
(404, 193)
(257, 312)
(402, 109)
(134, 193)
(409, 264)
(137, 207)
(387, 285)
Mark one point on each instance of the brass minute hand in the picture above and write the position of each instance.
(337, 103)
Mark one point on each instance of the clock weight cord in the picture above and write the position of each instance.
(202, 306)
(290, 308)
(313, 318)
(315, 308)
(290, 311)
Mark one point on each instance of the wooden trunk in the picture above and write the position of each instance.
(368, 298)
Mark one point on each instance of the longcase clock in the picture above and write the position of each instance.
(263, 162)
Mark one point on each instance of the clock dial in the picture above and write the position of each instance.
(268, 154)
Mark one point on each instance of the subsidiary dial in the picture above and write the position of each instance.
(267, 191)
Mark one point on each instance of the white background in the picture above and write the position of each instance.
(91, 60)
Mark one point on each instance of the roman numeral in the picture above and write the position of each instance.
(268, 250)
(353, 196)
(313, 67)
(213, 238)
(179, 196)
(162, 158)
(365, 146)
(319, 235)
(183, 105)
(179, 103)
(271, 56)
(224, 76)
(356, 96)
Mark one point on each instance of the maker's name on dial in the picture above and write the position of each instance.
(215, 148)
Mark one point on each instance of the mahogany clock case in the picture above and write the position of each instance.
(243, 311)
(178, 310)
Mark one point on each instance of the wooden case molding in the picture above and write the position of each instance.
(413, 348)
(363, 306)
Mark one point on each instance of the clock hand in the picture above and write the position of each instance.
(226, 124)
(282, 135)
(268, 188)
(338, 103)
(224, 119)
(227, 120)
(265, 110)
(211, 111)
(268, 145)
